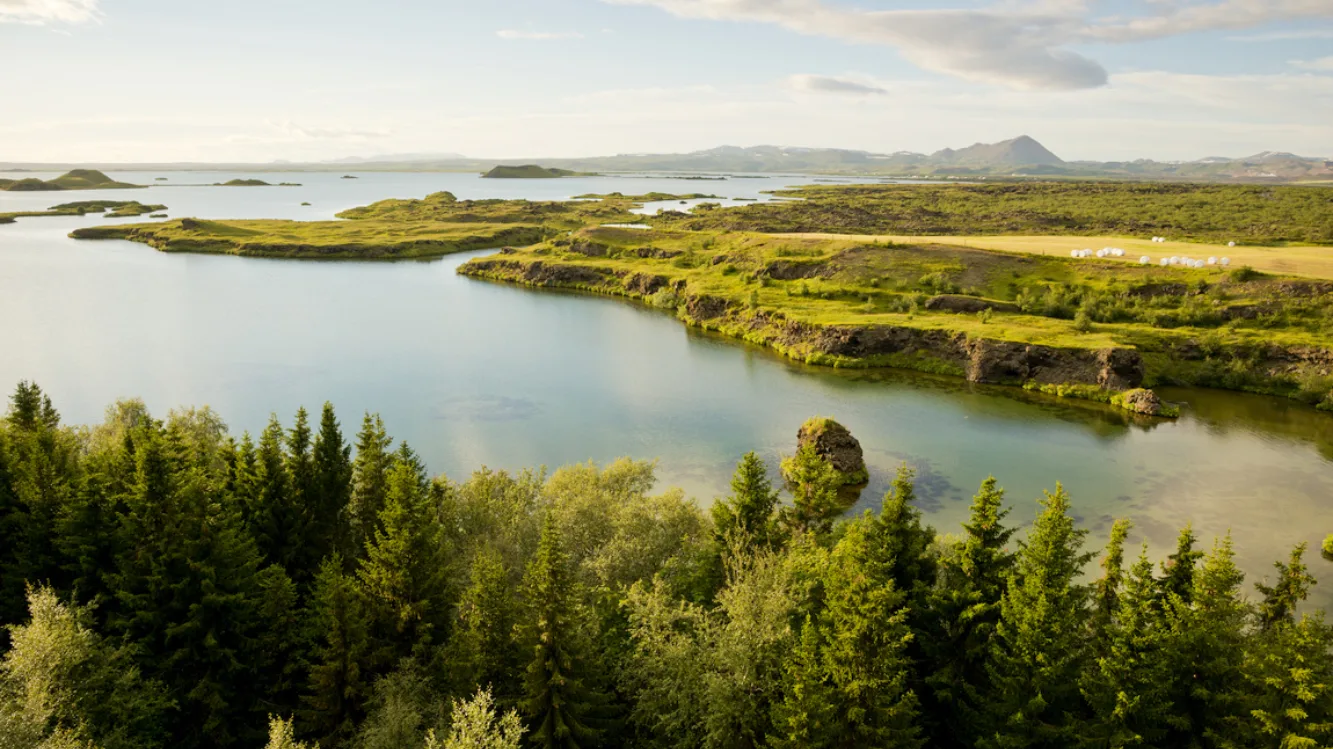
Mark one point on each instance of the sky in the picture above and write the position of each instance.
(299, 80)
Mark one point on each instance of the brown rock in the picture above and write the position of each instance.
(1142, 402)
(834, 443)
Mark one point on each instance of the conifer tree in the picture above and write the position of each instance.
(867, 632)
(1040, 641)
(1289, 672)
(1106, 591)
(749, 510)
(966, 608)
(1210, 639)
(338, 684)
(370, 476)
(806, 718)
(404, 572)
(1178, 571)
(277, 518)
(331, 491)
(813, 483)
(487, 614)
(1291, 587)
(1128, 686)
(559, 704)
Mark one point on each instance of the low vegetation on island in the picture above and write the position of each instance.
(392, 229)
(814, 278)
(111, 208)
(77, 179)
(253, 183)
(532, 171)
(164, 583)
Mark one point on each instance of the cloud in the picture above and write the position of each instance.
(39, 12)
(537, 35)
(1322, 65)
(829, 85)
(289, 132)
(1021, 44)
(1284, 36)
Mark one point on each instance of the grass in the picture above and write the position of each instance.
(368, 240)
(1251, 215)
(1313, 261)
(651, 197)
(118, 208)
(77, 179)
(531, 171)
(973, 302)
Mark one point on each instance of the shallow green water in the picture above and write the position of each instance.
(474, 373)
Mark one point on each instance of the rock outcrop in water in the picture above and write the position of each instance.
(832, 442)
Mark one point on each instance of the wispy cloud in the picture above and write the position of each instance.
(830, 85)
(537, 35)
(40, 12)
(1284, 36)
(1022, 44)
(285, 131)
(1321, 65)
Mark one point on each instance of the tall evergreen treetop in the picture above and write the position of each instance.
(1291, 587)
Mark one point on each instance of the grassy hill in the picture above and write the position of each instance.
(77, 179)
(529, 171)
(117, 208)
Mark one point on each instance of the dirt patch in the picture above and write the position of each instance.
(968, 304)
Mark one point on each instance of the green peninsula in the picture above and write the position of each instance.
(253, 183)
(531, 171)
(391, 229)
(117, 208)
(998, 299)
(77, 179)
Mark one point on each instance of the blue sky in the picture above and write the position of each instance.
(140, 80)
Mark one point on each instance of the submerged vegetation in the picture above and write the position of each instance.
(166, 584)
(77, 179)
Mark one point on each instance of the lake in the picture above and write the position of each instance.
(473, 373)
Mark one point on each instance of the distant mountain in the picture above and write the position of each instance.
(1020, 151)
(1016, 158)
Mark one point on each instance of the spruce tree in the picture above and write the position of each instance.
(1106, 592)
(487, 614)
(1209, 637)
(1291, 587)
(965, 609)
(866, 628)
(1178, 571)
(559, 704)
(1040, 642)
(748, 511)
(331, 491)
(806, 718)
(813, 483)
(370, 476)
(1289, 674)
(1129, 686)
(277, 518)
(338, 684)
(404, 574)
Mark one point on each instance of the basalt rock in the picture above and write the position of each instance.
(968, 304)
(702, 307)
(590, 249)
(832, 442)
(645, 284)
(1141, 401)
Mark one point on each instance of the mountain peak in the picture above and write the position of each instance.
(1021, 151)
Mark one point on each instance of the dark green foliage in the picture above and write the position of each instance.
(1040, 641)
(558, 701)
(966, 608)
(164, 585)
(1291, 587)
(813, 483)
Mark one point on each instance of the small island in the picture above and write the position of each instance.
(350, 176)
(532, 171)
(77, 179)
(117, 208)
(254, 183)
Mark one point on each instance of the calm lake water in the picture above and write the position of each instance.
(472, 373)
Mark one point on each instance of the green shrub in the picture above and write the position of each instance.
(1328, 548)
(1244, 273)
(1082, 322)
(664, 299)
